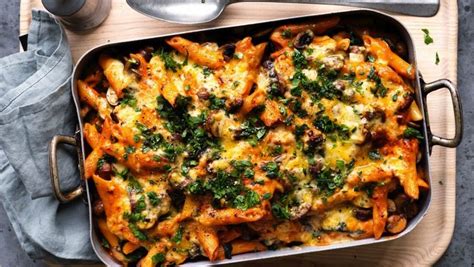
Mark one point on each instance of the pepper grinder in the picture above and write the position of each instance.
(79, 15)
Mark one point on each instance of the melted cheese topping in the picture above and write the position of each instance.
(302, 140)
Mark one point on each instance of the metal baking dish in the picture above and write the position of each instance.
(258, 30)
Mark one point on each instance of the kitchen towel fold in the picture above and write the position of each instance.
(36, 104)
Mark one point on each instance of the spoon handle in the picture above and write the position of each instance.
(420, 8)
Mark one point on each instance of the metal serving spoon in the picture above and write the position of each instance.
(200, 11)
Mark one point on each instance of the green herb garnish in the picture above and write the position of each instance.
(178, 235)
(153, 198)
(412, 133)
(272, 169)
(428, 38)
(246, 201)
(136, 232)
(158, 258)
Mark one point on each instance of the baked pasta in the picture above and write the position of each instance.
(199, 150)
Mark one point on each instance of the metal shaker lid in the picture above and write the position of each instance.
(63, 8)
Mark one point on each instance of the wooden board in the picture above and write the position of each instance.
(424, 245)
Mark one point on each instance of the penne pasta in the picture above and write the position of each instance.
(302, 135)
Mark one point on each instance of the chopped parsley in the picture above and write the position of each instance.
(105, 243)
(153, 198)
(235, 84)
(129, 99)
(133, 217)
(286, 34)
(327, 126)
(224, 186)
(437, 58)
(249, 173)
(246, 201)
(197, 187)
(296, 91)
(272, 169)
(379, 90)
(215, 102)
(328, 180)
(244, 166)
(227, 187)
(134, 185)
(322, 87)
(140, 205)
(299, 60)
(193, 138)
(252, 129)
(178, 235)
(158, 258)
(427, 37)
(280, 211)
(151, 141)
(276, 150)
(206, 72)
(395, 97)
(412, 133)
(128, 150)
(136, 232)
(168, 60)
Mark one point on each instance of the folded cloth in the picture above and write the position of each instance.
(36, 104)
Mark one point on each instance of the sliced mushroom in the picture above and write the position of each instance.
(114, 117)
(275, 86)
(228, 51)
(299, 211)
(112, 97)
(147, 53)
(333, 62)
(339, 85)
(98, 207)
(105, 171)
(301, 199)
(401, 49)
(316, 168)
(234, 105)
(303, 39)
(379, 137)
(391, 207)
(405, 206)
(312, 139)
(396, 224)
(203, 94)
(405, 103)
(363, 214)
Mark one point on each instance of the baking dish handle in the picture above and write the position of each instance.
(53, 166)
(458, 120)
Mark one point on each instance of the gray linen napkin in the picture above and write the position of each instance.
(35, 105)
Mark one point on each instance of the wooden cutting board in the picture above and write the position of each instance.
(424, 245)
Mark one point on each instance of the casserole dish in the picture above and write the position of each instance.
(421, 90)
